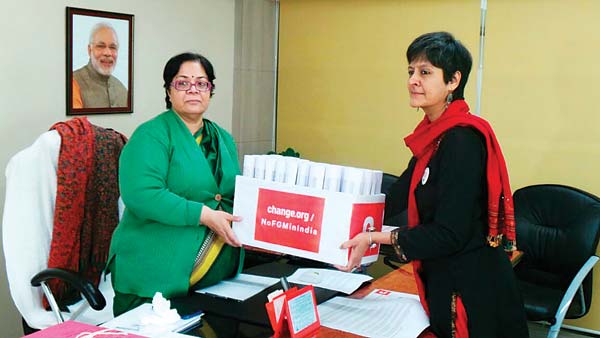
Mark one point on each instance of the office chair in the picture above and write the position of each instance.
(389, 255)
(387, 181)
(557, 229)
(28, 224)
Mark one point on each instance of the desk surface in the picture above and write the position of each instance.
(401, 280)
(224, 321)
(218, 324)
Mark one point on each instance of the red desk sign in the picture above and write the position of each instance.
(295, 312)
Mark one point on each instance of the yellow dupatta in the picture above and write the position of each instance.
(212, 245)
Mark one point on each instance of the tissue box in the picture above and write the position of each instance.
(303, 221)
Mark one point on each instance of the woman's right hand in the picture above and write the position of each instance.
(220, 222)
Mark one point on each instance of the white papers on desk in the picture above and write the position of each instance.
(131, 321)
(329, 279)
(382, 314)
(240, 288)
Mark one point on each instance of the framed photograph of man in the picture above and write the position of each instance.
(99, 62)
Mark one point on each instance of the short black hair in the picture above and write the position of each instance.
(172, 68)
(445, 52)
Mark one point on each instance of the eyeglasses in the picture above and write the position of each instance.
(182, 85)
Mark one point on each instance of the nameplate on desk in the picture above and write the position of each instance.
(294, 311)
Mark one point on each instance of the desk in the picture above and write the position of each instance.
(225, 318)
(248, 319)
(401, 280)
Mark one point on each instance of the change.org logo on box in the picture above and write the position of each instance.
(289, 219)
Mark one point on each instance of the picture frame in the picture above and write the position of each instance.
(99, 62)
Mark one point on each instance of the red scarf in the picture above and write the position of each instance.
(85, 212)
(423, 144)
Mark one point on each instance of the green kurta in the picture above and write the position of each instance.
(165, 180)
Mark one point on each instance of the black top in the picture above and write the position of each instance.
(451, 240)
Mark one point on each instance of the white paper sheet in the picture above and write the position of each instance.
(352, 180)
(239, 288)
(329, 279)
(131, 321)
(259, 166)
(381, 314)
(303, 170)
(316, 175)
(333, 177)
(249, 165)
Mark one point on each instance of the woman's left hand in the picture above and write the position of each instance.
(358, 246)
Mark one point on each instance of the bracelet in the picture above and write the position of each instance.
(397, 248)
(371, 244)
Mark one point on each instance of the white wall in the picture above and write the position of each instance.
(32, 66)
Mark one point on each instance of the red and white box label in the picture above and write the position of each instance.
(302, 221)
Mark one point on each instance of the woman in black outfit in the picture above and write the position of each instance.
(460, 212)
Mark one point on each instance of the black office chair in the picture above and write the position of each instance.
(389, 255)
(387, 181)
(557, 229)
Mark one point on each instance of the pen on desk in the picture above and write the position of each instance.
(191, 315)
(284, 283)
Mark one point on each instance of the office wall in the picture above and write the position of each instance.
(342, 84)
(254, 73)
(32, 64)
(342, 72)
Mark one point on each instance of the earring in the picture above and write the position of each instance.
(418, 109)
(449, 99)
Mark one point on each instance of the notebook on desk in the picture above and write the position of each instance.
(251, 310)
(73, 329)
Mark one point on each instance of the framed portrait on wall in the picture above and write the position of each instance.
(99, 62)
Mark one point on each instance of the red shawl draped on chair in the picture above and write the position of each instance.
(86, 207)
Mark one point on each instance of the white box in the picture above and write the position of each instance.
(303, 221)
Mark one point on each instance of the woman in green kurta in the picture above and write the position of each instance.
(177, 176)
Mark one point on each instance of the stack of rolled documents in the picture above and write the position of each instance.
(301, 172)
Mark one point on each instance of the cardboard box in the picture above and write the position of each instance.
(302, 221)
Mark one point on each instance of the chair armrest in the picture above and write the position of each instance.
(91, 293)
(571, 290)
(391, 261)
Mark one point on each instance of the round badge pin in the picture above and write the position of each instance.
(425, 176)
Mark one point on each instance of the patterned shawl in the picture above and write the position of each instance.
(86, 209)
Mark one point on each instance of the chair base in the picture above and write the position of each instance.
(26, 328)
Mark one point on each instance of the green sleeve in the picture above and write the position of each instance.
(143, 170)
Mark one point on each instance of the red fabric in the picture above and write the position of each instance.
(86, 211)
(462, 330)
(423, 143)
